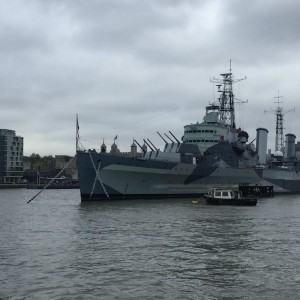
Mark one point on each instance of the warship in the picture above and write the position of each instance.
(211, 154)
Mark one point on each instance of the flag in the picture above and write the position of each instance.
(115, 137)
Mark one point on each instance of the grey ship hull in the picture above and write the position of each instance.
(105, 176)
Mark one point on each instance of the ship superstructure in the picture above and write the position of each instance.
(219, 121)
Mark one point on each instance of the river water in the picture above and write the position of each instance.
(59, 248)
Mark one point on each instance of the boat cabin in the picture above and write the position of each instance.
(224, 194)
(217, 196)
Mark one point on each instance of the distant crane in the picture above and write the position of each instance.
(279, 112)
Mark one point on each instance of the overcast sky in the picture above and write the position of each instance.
(134, 67)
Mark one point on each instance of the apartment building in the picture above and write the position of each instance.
(11, 156)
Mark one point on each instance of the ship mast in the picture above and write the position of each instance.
(77, 133)
(227, 99)
(279, 125)
(279, 112)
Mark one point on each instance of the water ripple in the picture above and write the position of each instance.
(59, 248)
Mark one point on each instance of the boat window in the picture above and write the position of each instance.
(225, 193)
(218, 194)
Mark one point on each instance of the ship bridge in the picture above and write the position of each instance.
(208, 133)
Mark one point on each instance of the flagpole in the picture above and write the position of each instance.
(77, 133)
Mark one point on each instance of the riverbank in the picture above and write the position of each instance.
(13, 185)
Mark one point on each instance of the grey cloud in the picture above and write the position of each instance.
(135, 67)
(264, 32)
(119, 27)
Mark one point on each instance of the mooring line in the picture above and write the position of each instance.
(94, 184)
(97, 177)
(59, 173)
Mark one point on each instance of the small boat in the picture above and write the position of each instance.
(217, 196)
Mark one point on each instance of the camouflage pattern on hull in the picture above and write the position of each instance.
(122, 177)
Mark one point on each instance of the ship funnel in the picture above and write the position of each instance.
(261, 144)
(289, 153)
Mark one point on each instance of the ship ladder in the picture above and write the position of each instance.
(97, 177)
